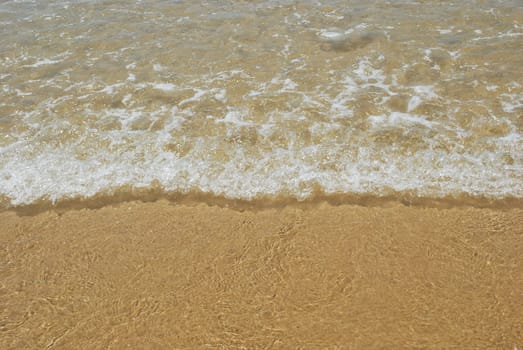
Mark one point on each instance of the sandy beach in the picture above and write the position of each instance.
(261, 174)
(164, 276)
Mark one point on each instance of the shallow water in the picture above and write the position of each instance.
(261, 99)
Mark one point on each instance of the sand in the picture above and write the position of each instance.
(164, 276)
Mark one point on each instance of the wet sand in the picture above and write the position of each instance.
(163, 276)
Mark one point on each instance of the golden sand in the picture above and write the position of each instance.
(163, 276)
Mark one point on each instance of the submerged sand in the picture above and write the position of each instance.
(163, 276)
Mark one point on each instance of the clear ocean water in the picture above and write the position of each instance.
(260, 99)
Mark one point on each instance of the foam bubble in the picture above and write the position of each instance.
(398, 118)
(512, 102)
(164, 87)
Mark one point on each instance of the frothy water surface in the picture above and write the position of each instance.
(261, 98)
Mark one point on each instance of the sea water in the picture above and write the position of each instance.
(260, 99)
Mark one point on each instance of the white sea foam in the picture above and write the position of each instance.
(234, 117)
(43, 62)
(164, 87)
(333, 36)
(444, 31)
(398, 118)
(279, 171)
(423, 93)
(511, 102)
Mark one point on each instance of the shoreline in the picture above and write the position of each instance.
(148, 195)
(164, 275)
